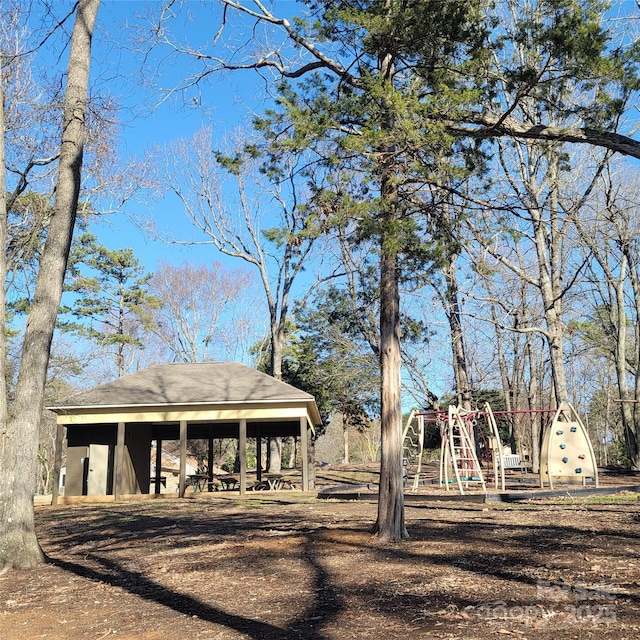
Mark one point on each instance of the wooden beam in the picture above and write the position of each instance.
(266, 411)
(57, 464)
(158, 464)
(182, 478)
(210, 459)
(242, 448)
(119, 462)
(258, 453)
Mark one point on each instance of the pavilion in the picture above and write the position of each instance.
(110, 428)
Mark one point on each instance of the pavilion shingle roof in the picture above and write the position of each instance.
(187, 383)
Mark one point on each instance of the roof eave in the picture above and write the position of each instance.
(309, 401)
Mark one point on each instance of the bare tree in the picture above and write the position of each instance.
(206, 312)
(19, 546)
(610, 234)
(245, 215)
(3, 280)
(534, 239)
(515, 314)
(260, 218)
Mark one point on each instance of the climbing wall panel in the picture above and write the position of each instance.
(567, 455)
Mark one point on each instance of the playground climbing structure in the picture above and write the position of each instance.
(462, 435)
(458, 458)
(471, 437)
(567, 455)
(495, 447)
(413, 446)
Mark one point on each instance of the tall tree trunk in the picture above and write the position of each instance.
(390, 524)
(3, 279)
(121, 314)
(293, 454)
(454, 316)
(507, 387)
(548, 242)
(534, 398)
(278, 337)
(275, 455)
(19, 546)
(631, 417)
(520, 429)
(621, 350)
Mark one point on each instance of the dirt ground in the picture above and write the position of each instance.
(280, 565)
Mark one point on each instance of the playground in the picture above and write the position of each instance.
(472, 451)
(281, 565)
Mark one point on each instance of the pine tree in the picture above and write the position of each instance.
(376, 121)
(112, 302)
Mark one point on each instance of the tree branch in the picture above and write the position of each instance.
(493, 126)
(23, 182)
(322, 60)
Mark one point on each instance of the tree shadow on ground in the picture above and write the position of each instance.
(327, 605)
(314, 535)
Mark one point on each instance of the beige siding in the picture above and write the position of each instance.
(246, 411)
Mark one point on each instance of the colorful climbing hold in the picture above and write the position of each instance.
(563, 446)
(574, 429)
(565, 460)
(579, 470)
(559, 432)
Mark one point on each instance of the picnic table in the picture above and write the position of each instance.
(198, 481)
(228, 482)
(274, 480)
(277, 481)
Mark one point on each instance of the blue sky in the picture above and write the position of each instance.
(223, 102)
(150, 120)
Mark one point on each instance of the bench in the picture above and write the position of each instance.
(513, 461)
(213, 485)
(228, 482)
(273, 482)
